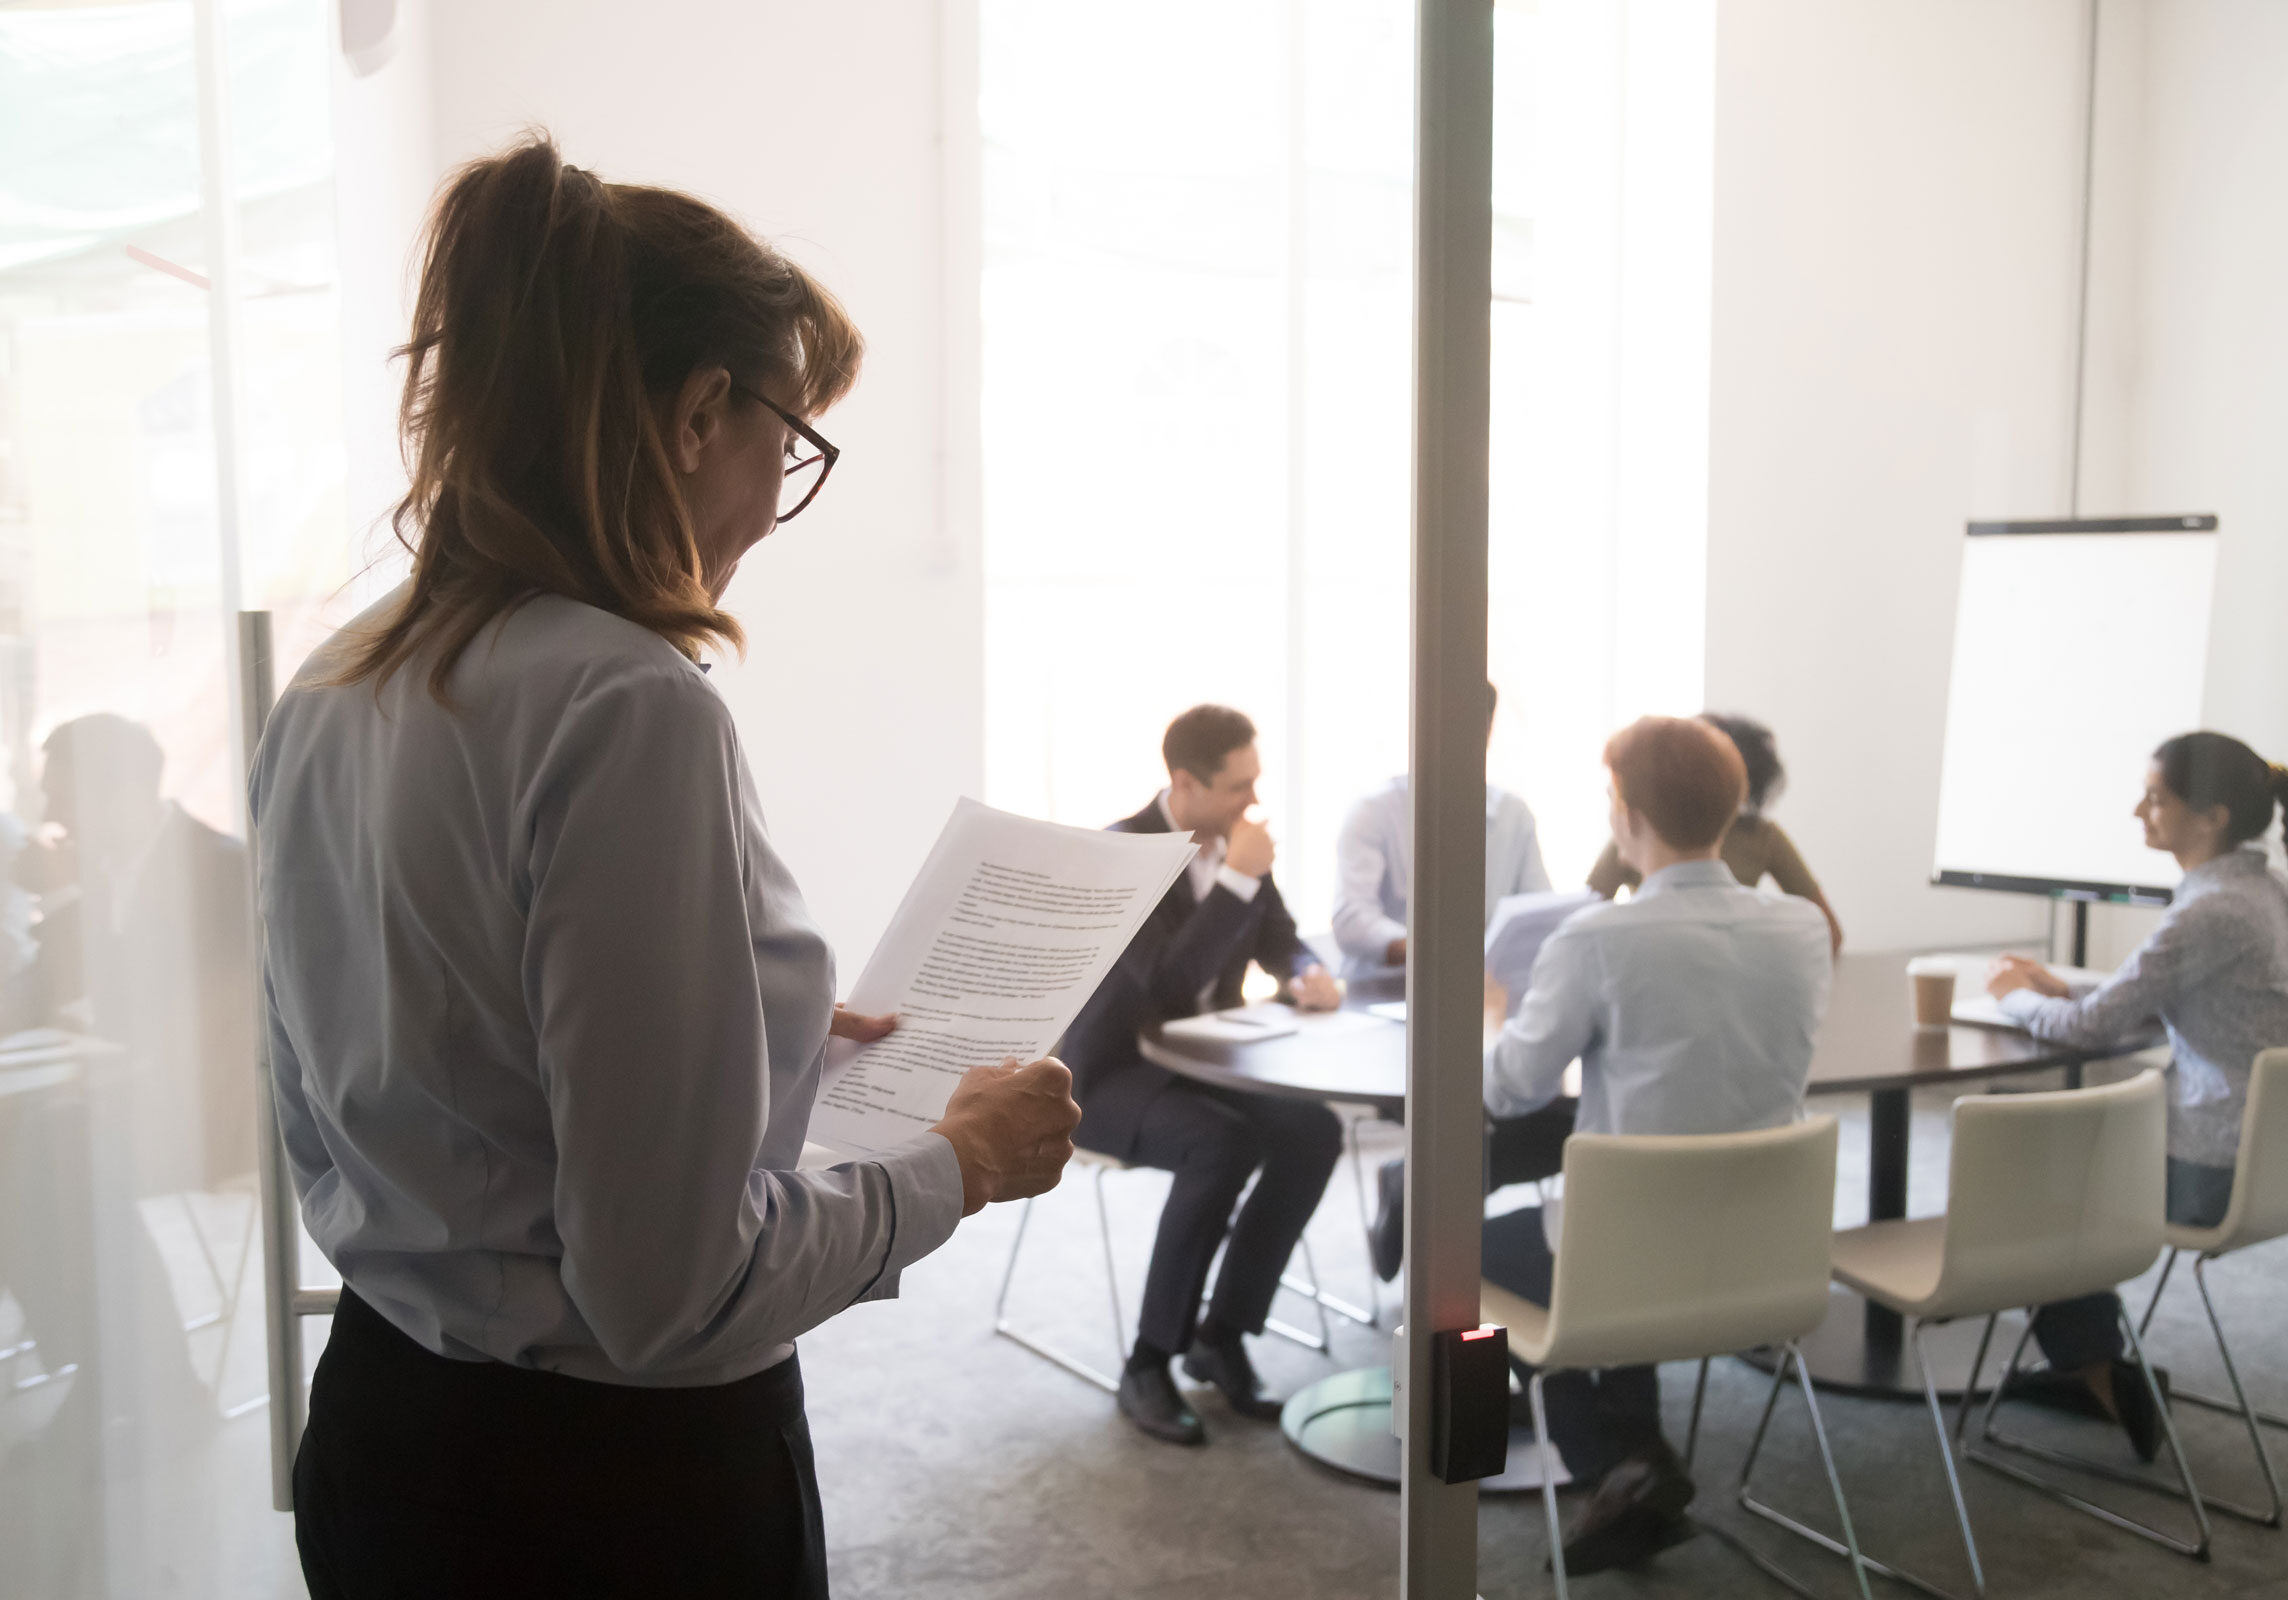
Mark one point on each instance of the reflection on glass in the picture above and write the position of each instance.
(133, 1451)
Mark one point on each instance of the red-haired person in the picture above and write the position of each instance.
(1755, 847)
(1692, 1008)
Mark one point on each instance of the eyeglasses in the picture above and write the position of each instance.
(809, 457)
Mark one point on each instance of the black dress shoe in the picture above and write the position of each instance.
(2140, 1418)
(1224, 1363)
(1637, 1512)
(2057, 1391)
(1387, 1238)
(2067, 1392)
(1149, 1399)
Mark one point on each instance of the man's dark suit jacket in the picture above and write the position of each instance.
(1184, 947)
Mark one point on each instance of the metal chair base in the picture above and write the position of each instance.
(2197, 1548)
(2237, 1406)
(1861, 1561)
(1308, 1287)
(1041, 1347)
(1789, 1354)
(1321, 1303)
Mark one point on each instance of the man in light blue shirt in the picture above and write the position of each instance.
(1374, 864)
(1692, 1008)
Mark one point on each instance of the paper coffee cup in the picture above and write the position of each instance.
(1932, 980)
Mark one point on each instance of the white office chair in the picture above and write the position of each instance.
(1672, 1249)
(1098, 1164)
(2049, 1196)
(2259, 1211)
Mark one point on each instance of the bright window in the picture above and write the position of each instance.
(1197, 411)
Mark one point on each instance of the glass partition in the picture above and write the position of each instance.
(133, 1442)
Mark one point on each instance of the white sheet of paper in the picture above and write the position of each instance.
(1002, 937)
(1239, 1025)
(1522, 922)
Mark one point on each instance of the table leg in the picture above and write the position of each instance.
(1889, 1127)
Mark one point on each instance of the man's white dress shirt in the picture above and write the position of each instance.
(1374, 865)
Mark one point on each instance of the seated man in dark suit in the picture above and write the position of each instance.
(1190, 956)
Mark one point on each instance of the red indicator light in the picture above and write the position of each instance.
(1479, 1333)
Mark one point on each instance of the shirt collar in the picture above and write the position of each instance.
(2248, 857)
(1689, 875)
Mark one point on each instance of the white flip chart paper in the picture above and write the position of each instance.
(1002, 937)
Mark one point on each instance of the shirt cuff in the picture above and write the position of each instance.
(925, 1207)
(2021, 1005)
(1239, 883)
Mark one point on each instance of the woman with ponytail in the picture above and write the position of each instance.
(2214, 974)
(546, 1011)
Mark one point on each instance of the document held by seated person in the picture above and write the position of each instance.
(1009, 927)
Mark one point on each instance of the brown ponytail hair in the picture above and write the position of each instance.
(2215, 769)
(555, 312)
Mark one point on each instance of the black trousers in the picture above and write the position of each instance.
(1597, 1419)
(1213, 1140)
(2087, 1329)
(422, 1478)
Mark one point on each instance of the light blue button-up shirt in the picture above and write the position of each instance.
(547, 1015)
(1692, 1008)
(1374, 866)
(2215, 972)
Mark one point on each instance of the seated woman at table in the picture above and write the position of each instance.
(2214, 973)
(1692, 1008)
(1755, 847)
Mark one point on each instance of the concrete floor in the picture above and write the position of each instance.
(957, 1465)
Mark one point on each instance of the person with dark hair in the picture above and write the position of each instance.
(1755, 847)
(2214, 973)
(1192, 955)
(1692, 1008)
(547, 1013)
(128, 872)
(1374, 866)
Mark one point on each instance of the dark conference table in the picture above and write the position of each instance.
(1868, 1045)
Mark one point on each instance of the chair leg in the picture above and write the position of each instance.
(1946, 1446)
(1041, 1347)
(1848, 1546)
(2185, 1489)
(1307, 1285)
(1365, 1219)
(2168, 1265)
(1860, 1566)
(1111, 1272)
(1827, 1462)
(1548, 1480)
(1699, 1397)
(2248, 1413)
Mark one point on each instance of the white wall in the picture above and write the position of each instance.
(2209, 344)
(385, 165)
(861, 696)
(1897, 192)
(2188, 399)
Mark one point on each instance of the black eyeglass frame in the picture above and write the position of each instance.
(827, 453)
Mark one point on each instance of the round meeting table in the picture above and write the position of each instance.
(1869, 1044)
